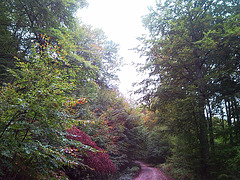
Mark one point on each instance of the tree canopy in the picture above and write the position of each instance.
(193, 65)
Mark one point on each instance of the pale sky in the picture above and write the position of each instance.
(121, 21)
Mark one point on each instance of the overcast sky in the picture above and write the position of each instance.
(121, 22)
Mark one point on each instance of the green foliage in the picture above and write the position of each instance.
(7, 44)
(99, 56)
(115, 127)
(55, 74)
(23, 22)
(193, 60)
(130, 172)
(158, 148)
(34, 117)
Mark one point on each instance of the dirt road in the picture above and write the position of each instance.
(150, 173)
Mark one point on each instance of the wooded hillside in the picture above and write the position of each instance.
(62, 116)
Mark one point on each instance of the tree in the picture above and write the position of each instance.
(23, 21)
(93, 54)
(34, 116)
(184, 63)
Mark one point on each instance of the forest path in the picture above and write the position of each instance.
(150, 173)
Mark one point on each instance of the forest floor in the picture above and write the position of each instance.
(150, 173)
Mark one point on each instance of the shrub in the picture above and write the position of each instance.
(97, 160)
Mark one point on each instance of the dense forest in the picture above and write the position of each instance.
(62, 116)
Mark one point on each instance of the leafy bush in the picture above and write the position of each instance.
(158, 148)
(130, 172)
(96, 161)
(177, 172)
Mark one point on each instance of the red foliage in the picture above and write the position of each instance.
(97, 160)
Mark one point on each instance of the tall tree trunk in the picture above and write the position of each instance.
(203, 139)
(228, 111)
(234, 118)
(237, 125)
(210, 126)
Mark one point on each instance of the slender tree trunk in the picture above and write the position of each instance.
(236, 120)
(228, 111)
(222, 118)
(222, 122)
(210, 125)
(235, 116)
